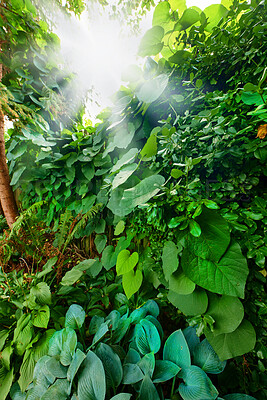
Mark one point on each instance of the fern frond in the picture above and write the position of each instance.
(82, 222)
(26, 214)
(66, 220)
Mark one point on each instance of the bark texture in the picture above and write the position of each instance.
(7, 198)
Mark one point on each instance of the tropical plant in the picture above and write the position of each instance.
(124, 352)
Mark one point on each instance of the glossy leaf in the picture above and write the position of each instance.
(131, 282)
(147, 364)
(147, 337)
(165, 370)
(176, 350)
(126, 261)
(205, 357)
(197, 385)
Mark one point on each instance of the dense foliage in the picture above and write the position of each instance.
(166, 197)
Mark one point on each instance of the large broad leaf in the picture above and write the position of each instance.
(237, 343)
(148, 390)
(123, 175)
(197, 385)
(191, 338)
(214, 238)
(161, 15)
(109, 257)
(151, 43)
(195, 303)
(150, 148)
(126, 261)
(59, 390)
(92, 382)
(164, 371)
(6, 379)
(75, 317)
(74, 366)
(121, 202)
(125, 159)
(112, 365)
(131, 374)
(100, 243)
(152, 89)
(131, 282)
(147, 337)
(189, 18)
(169, 259)
(16, 393)
(227, 311)
(214, 14)
(228, 276)
(63, 344)
(180, 57)
(181, 284)
(176, 350)
(42, 317)
(42, 293)
(205, 357)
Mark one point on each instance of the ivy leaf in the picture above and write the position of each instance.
(237, 343)
(131, 282)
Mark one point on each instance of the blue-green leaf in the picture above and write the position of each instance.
(238, 396)
(148, 390)
(77, 360)
(191, 337)
(147, 337)
(147, 364)
(176, 350)
(75, 317)
(205, 357)
(164, 371)
(197, 385)
(122, 396)
(112, 365)
(92, 382)
(131, 374)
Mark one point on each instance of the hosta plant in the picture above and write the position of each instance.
(127, 358)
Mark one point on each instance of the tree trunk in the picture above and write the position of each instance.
(7, 198)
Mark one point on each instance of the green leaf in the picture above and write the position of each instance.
(3, 336)
(16, 393)
(119, 228)
(147, 364)
(214, 14)
(42, 293)
(147, 337)
(181, 284)
(152, 89)
(169, 259)
(47, 267)
(215, 236)
(59, 390)
(75, 317)
(227, 311)
(76, 272)
(122, 176)
(126, 261)
(238, 396)
(252, 98)
(228, 276)
(103, 329)
(194, 228)
(16, 175)
(122, 203)
(189, 18)
(197, 385)
(151, 43)
(109, 257)
(176, 173)
(42, 317)
(122, 396)
(161, 15)
(100, 243)
(164, 371)
(6, 379)
(237, 343)
(125, 159)
(176, 350)
(131, 282)
(180, 57)
(148, 390)
(92, 382)
(205, 357)
(112, 365)
(150, 148)
(75, 364)
(88, 170)
(131, 374)
(63, 344)
(195, 303)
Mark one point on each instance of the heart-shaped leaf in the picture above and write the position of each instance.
(126, 261)
(131, 282)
